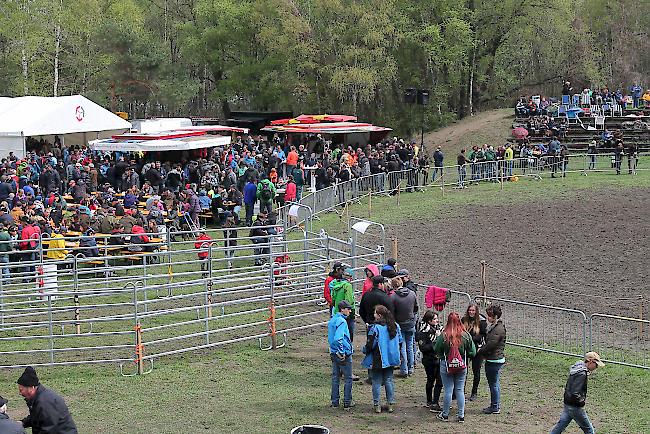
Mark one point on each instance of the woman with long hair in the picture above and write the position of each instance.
(475, 325)
(454, 346)
(494, 355)
(427, 332)
(382, 354)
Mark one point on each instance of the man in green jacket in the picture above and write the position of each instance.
(341, 289)
(266, 193)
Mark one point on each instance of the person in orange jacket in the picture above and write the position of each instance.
(203, 241)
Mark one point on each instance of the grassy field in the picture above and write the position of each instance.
(240, 388)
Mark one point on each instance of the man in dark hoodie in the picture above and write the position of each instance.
(406, 309)
(575, 394)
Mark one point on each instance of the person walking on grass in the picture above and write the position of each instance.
(453, 347)
(575, 394)
(493, 353)
(340, 343)
(382, 355)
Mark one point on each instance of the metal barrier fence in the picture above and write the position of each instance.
(620, 340)
(173, 304)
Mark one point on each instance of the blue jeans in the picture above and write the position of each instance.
(406, 350)
(384, 376)
(452, 383)
(574, 413)
(492, 372)
(338, 368)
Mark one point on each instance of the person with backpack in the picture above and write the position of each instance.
(476, 325)
(266, 193)
(493, 353)
(427, 332)
(575, 394)
(453, 347)
(382, 355)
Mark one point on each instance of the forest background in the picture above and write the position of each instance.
(206, 57)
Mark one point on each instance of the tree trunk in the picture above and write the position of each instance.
(57, 50)
(25, 65)
(471, 83)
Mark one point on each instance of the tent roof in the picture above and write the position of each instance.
(40, 116)
(327, 128)
(174, 140)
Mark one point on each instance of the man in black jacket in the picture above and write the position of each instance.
(376, 295)
(575, 395)
(47, 410)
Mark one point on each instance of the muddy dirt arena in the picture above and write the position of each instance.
(597, 244)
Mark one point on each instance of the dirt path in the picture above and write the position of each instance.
(491, 127)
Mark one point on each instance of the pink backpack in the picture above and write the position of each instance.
(455, 362)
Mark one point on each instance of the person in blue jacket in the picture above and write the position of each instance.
(250, 197)
(382, 352)
(338, 337)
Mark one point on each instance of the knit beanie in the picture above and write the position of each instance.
(28, 378)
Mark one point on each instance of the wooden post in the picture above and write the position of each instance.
(139, 349)
(442, 184)
(393, 247)
(369, 203)
(77, 315)
(641, 317)
(483, 286)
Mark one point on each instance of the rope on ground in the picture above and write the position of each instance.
(563, 291)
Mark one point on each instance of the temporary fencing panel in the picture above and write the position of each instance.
(620, 340)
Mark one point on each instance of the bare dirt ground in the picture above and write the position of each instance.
(491, 127)
(596, 246)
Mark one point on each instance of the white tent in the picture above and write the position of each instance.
(74, 118)
(176, 144)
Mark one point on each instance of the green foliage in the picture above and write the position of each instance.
(180, 57)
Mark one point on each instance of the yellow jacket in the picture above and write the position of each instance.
(56, 242)
(508, 154)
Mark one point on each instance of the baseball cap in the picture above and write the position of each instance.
(594, 356)
(343, 304)
(336, 265)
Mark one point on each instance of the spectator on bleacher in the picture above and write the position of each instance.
(646, 98)
(636, 91)
(493, 351)
(566, 88)
(88, 243)
(476, 325)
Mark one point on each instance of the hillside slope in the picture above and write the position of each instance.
(492, 127)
